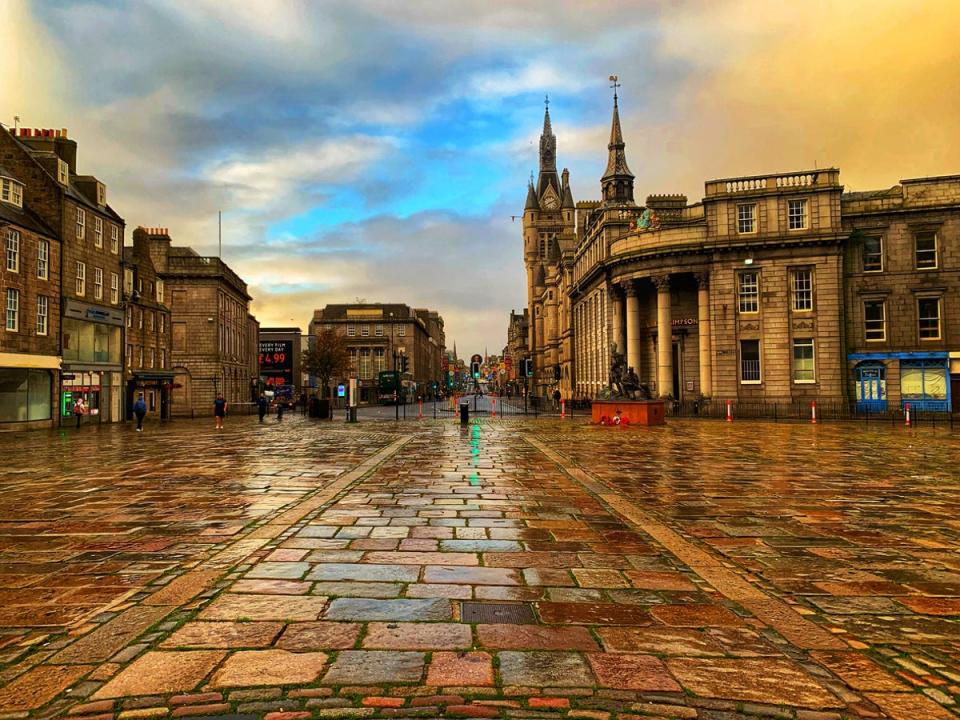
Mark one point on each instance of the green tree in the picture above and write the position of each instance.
(326, 358)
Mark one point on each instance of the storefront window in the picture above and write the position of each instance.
(24, 395)
(101, 343)
(90, 342)
(924, 382)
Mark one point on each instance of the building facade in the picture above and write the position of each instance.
(148, 331)
(379, 333)
(213, 337)
(902, 297)
(91, 238)
(776, 288)
(516, 349)
(549, 242)
(30, 290)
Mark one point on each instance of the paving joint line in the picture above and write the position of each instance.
(157, 606)
(799, 631)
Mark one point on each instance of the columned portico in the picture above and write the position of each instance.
(633, 326)
(616, 309)
(703, 325)
(664, 336)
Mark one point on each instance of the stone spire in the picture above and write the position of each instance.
(548, 157)
(532, 202)
(567, 203)
(617, 181)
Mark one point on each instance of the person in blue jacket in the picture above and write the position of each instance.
(140, 410)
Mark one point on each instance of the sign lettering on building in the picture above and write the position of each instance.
(276, 362)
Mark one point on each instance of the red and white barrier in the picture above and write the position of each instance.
(906, 417)
(563, 408)
(813, 412)
(729, 411)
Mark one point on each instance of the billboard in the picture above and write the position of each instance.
(276, 362)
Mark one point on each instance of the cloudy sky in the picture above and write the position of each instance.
(376, 149)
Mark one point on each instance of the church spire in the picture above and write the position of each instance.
(617, 181)
(548, 157)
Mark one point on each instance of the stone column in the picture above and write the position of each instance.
(616, 313)
(633, 327)
(703, 334)
(664, 337)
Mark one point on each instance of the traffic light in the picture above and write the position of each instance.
(556, 371)
(475, 369)
(528, 367)
(403, 363)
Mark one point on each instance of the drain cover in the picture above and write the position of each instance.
(512, 613)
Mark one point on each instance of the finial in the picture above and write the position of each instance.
(531, 177)
(546, 102)
(614, 79)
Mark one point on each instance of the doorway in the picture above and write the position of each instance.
(955, 393)
(871, 388)
(677, 372)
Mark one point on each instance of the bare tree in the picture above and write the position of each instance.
(327, 357)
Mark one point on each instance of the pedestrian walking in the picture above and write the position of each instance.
(219, 411)
(279, 410)
(556, 399)
(262, 406)
(140, 409)
(79, 409)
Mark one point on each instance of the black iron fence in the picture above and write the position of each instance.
(804, 410)
(827, 411)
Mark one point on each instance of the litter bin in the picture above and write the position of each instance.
(465, 413)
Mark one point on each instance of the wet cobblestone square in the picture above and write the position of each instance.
(698, 570)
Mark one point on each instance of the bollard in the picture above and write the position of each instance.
(563, 408)
(465, 413)
(813, 412)
(906, 416)
(729, 411)
(493, 406)
(420, 410)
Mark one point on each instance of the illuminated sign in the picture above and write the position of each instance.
(276, 362)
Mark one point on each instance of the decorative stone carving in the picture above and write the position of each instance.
(703, 279)
(662, 282)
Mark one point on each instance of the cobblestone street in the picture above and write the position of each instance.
(509, 569)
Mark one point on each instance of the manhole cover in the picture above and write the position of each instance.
(513, 613)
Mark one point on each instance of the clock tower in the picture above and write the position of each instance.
(549, 241)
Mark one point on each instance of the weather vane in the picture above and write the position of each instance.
(614, 79)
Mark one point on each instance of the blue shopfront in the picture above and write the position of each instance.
(923, 380)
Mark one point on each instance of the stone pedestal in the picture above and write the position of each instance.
(636, 412)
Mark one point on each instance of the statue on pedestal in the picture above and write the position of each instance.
(624, 383)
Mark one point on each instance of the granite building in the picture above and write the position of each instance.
(30, 291)
(213, 336)
(148, 332)
(771, 288)
(91, 233)
(902, 295)
(549, 243)
(377, 332)
(516, 350)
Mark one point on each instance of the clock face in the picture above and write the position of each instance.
(547, 155)
(550, 202)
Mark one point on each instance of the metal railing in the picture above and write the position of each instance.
(802, 410)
